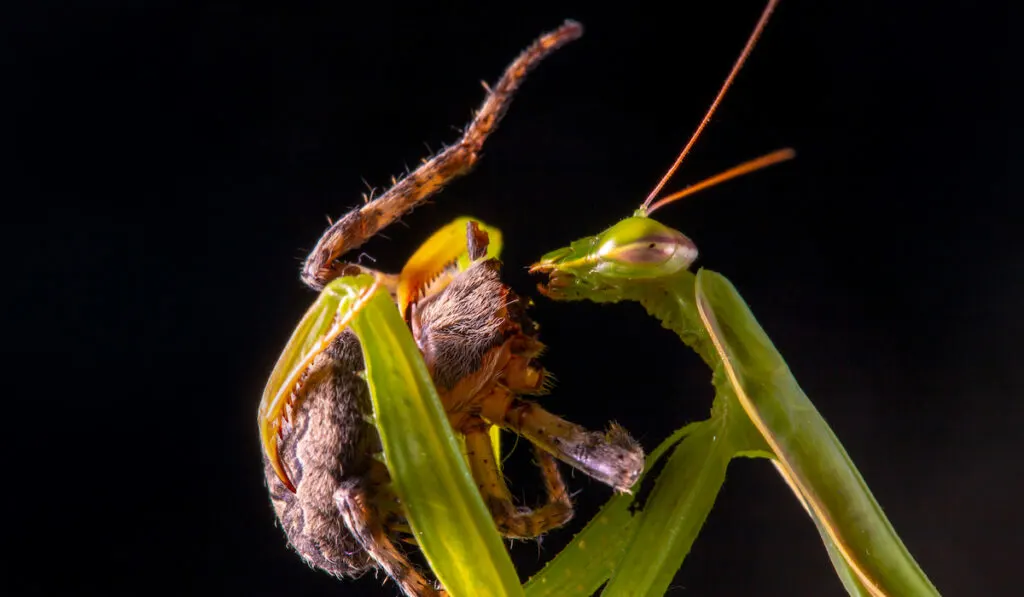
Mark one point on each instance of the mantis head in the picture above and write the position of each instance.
(636, 248)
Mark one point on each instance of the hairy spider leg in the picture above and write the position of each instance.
(512, 521)
(481, 350)
(357, 226)
(358, 509)
(612, 457)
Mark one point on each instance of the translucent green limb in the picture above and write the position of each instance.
(639, 541)
(588, 562)
(640, 548)
(674, 513)
(808, 454)
(325, 319)
(683, 496)
(641, 260)
(448, 517)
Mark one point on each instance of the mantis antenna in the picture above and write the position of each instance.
(779, 155)
(707, 117)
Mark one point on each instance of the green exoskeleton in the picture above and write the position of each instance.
(635, 547)
(378, 420)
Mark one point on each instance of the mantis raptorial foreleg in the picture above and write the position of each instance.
(330, 494)
(340, 506)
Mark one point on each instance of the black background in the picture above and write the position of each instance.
(171, 164)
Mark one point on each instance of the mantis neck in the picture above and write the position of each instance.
(671, 300)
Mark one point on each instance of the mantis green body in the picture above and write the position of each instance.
(759, 410)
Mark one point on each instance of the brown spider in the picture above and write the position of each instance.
(330, 493)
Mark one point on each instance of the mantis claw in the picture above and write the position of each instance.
(323, 322)
(451, 245)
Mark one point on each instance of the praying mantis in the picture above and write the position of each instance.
(759, 411)
(631, 548)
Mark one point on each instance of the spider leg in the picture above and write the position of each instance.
(457, 159)
(356, 505)
(612, 457)
(520, 523)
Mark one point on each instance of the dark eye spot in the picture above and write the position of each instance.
(649, 252)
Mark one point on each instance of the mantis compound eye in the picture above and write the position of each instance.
(653, 251)
(640, 247)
